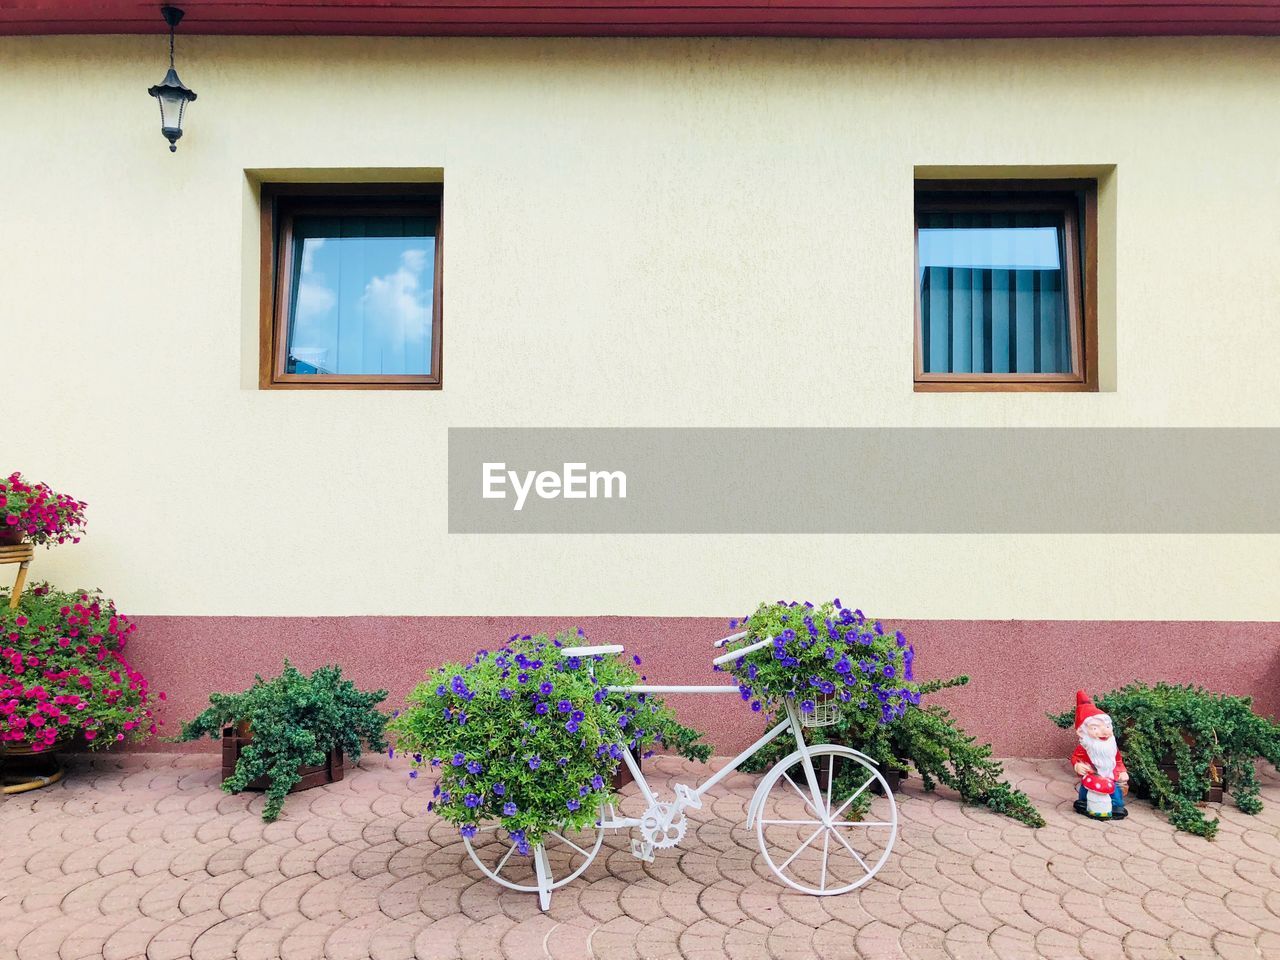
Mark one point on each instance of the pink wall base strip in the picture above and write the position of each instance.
(1020, 668)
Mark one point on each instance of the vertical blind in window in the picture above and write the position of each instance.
(993, 293)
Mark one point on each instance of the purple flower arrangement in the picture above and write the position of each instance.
(529, 738)
(820, 653)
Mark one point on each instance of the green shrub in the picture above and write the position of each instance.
(1195, 729)
(295, 721)
(530, 738)
(928, 739)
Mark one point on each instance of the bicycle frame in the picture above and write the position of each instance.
(687, 797)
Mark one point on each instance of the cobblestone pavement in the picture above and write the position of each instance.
(142, 856)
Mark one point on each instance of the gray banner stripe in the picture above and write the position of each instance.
(750, 480)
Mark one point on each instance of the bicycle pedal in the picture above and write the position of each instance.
(642, 851)
(688, 797)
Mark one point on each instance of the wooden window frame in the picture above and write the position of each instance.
(281, 203)
(1078, 201)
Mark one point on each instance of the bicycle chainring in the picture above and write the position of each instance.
(659, 837)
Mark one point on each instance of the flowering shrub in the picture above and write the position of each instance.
(831, 650)
(38, 513)
(528, 737)
(62, 671)
(823, 652)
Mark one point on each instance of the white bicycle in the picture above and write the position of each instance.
(824, 817)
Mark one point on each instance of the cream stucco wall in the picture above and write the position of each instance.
(638, 233)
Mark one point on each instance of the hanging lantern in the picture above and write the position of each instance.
(172, 94)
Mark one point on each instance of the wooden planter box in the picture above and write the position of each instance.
(622, 776)
(891, 776)
(1213, 794)
(235, 739)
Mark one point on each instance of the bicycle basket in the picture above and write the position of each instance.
(826, 711)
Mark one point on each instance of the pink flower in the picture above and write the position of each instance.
(90, 735)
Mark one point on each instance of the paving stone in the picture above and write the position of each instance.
(141, 856)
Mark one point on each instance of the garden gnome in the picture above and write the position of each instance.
(1098, 763)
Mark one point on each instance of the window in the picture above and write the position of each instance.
(351, 287)
(1001, 296)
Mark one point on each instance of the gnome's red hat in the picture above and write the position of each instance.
(1085, 708)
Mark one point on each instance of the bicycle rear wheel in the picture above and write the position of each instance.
(560, 858)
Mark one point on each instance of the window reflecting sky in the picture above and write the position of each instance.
(362, 295)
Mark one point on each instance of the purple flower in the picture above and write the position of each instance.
(545, 688)
(499, 789)
(540, 708)
(636, 659)
(755, 705)
(413, 774)
(474, 767)
(583, 790)
(471, 800)
(508, 809)
(459, 759)
(564, 706)
(597, 782)
(889, 671)
(535, 762)
(505, 694)
(469, 830)
(431, 805)
(572, 804)
(522, 678)
(806, 706)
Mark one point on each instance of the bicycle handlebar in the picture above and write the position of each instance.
(735, 654)
(591, 651)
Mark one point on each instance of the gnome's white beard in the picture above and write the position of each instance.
(1102, 753)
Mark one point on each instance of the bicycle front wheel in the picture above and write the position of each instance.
(831, 839)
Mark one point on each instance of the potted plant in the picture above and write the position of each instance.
(1180, 742)
(291, 732)
(63, 674)
(529, 738)
(35, 512)
(880, 712)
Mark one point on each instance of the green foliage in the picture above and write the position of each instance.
(62, 670)
(295, 721)
(1196, 730)
(928, 738)
(820, 653)
(531, 738)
